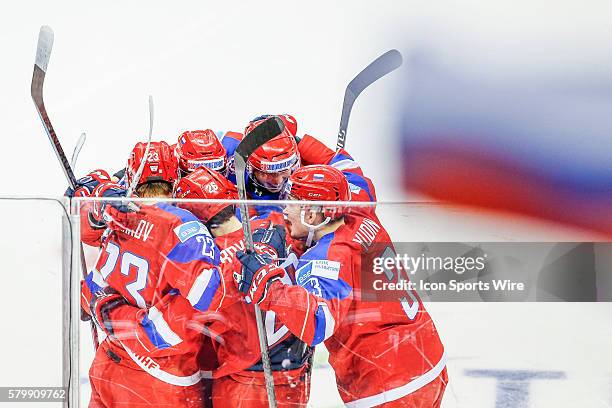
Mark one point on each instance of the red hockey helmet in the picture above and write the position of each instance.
(290, 123)
(279, 155)
(207, 184)
(319, 183)
(159, 166)
(198, 148)
(288, 120)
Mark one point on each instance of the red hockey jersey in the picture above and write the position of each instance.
(238, 350)
(378, 347)
(151, 257)
(231, 324)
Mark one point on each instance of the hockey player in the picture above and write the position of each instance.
(238, 380)
(244, 385)
(160, 170)
(270, 166)
(148, 257)
(384, 352)
(204, 148)
(157, 180)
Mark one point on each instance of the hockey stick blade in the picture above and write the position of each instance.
(261, 134)
(381, 66)
(43, 54)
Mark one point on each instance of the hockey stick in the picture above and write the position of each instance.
(269, 129)
(145, 158)
(43, 53)
(77, 150)
(381, 66)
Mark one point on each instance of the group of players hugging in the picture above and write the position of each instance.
(174, 290)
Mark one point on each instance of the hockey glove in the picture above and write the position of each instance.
(271, 241)
(258, 270)
(101, 304)
(108, 190)
(86, 185)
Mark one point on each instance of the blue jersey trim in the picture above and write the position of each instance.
(339, 157)
(154, 336)
(93, 287)
(230, 145)
(351, 177)
(184, 215)
(323, 287)
(192, 250)
(320, 325)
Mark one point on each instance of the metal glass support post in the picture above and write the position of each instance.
(75, 304)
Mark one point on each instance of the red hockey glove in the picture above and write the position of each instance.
(108, 190)
(258, 270)
(101, 304)
(85, 185)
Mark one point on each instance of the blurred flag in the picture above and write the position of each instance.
(538, 146)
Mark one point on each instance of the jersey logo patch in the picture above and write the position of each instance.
(190, 229)
(321, 267)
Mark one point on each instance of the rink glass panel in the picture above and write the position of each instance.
(35, 246)
(499, 354)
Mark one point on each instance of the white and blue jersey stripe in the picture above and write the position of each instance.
(320, 276)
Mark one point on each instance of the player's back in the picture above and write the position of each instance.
(156, 256)
(386, 332)
(154, 250)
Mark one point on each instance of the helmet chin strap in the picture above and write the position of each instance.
(311, 228)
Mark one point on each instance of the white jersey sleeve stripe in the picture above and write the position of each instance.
(402, 391)
(96, 277)
(152, 368)
(162, 327)
(345, 164)
(330, 322)
(199, 286)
